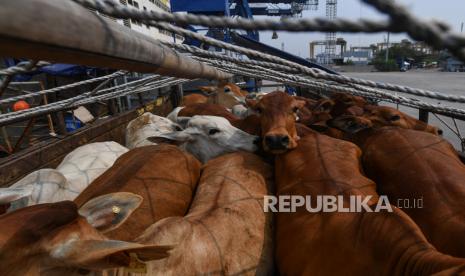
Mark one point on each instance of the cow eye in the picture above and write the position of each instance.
(177, 128)
(352, 124)
(295, 109)
(213, 131)
(258, 110)
(394, 118)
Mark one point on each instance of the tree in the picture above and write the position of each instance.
(399, 53)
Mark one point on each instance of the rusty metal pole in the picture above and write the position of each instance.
(63, 31)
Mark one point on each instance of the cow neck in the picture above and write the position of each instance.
(365, 137)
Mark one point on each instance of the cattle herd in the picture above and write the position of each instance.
(186, 194)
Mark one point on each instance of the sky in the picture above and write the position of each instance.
(450, 11)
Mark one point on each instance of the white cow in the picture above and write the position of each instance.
(207, 137)
(77, 170)
(147, 125)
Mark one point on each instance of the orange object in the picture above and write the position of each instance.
(20, 105)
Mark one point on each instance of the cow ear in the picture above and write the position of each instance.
(349, 124)
(108, 212)
(324, 106)
(299, 104)
(180, 136)
(251, 103)
(105, 254)
(207, 89)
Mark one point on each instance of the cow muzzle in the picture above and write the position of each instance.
(277, 143)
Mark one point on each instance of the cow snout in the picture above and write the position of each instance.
(277, 142)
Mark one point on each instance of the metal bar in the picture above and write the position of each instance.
(112, 110)
(423, 115)
(49, 117)
(24, 135)
(63, 31)
(4, 84)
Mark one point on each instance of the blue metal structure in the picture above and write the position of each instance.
(243, 8)
(247, 9)
(208, 7)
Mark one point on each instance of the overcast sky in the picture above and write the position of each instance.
(450, 11)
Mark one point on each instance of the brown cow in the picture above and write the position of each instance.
(58, 239)
(347, 104)
(250, 124)
(387, 116)
(226, 94)
(163, 175)
(226, 231)
(344, 243)
(414, 166)
(236, 90)
(278, 113)
(317, 113)
(194, 99)
(228, 88)
(207, 109)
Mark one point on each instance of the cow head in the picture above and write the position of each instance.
(344, 102)
(234, 89)
(387, 116)
(207, 137)
(350, 124)
(57, 238)
(278, 113)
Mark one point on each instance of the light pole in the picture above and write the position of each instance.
(461, 30)
(387, 47)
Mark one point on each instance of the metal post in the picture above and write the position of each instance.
(49, 117)
(112, 110)
(176, 95)
(387, 47)
(423, 115)
(58, 117)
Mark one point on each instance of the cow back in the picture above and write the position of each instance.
(344, 243)
(163, 175)
(411, 165)
(226, 231)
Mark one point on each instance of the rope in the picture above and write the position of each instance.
(64, 87)
(145, 84)
(436, 34)
(23, 67)
(360, 91)
(200, 52)
(312, 72)
(63, 103)
(291, 25)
